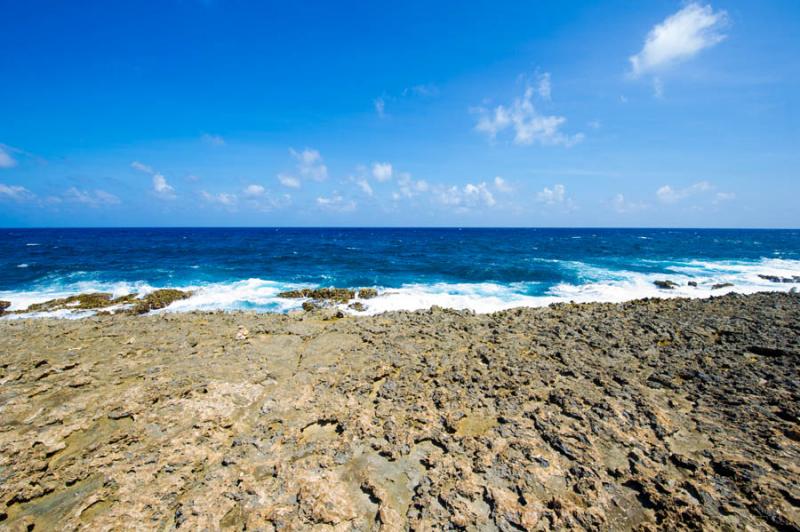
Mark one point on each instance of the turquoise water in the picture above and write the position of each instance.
(481, 269)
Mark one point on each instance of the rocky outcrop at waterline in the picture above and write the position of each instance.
(105, 303)
(322, 298)
(652, 414)
(90, 301)
(159, 299)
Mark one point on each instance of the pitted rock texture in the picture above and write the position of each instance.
(653, 414)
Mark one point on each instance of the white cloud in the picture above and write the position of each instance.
(556, 197)
(408, 187)
(254, 191)
(380, 107)
(91, 198)
(468, 196)
(288, 181)
(365, 187)
(622, 206)
(679, 37)
(382, 171)
(223, 198)
(544, 87)
(528, 124)
(309, 164)
(421, 90)
(658, 88)
(162, 188)
(336, 202)
(6, 160)
(552, 196)
(501, 184)
(15, 192)
(721, 197)
(213, 140)
(160, 185)
(667, 194)
(136, 165)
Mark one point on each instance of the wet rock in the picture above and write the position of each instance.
(358, 306)
(158, 299)
(367, 293)
(779, 279)
(90, 301)
(721, 285)
(692, 283)
(338, 295)
(4, 306)
(665, 285)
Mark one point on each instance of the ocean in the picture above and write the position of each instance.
(480, 269)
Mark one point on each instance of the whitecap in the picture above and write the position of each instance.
(23, 265)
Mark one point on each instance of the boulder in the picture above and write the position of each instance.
(4, 306)
(357, 306)
(692, 283)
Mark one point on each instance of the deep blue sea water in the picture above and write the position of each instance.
(481, 269)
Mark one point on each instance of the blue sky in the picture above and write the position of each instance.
(222, 112)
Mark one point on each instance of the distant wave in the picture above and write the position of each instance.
(596, 284)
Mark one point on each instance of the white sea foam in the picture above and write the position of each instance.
(23, 265)
(595, 284)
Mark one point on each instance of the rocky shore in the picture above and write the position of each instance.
(652, 414)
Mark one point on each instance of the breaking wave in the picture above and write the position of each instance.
(593, 284)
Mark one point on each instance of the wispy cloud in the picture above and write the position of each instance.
(90, 198)
(524, 119)
(556, 197)
(668, 194)
(336, 202)
(6, 160)
(380, 107)
(678, 38)
(15, 192)
(222, 198)
(365, 187)
(407, 187)
(624, 206)
(422, 90)
(309, 164)
(722, 197)
(213, 140)
(161, 187)
(543, 86)
(136, 165)
(288, 181)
